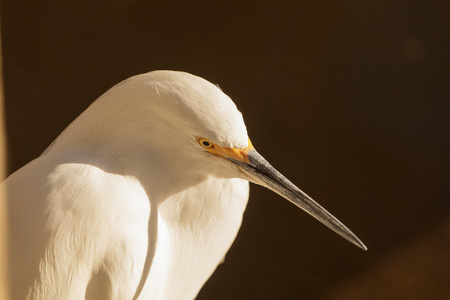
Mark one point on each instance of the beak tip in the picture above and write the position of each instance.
(357, 242)
(362, 246)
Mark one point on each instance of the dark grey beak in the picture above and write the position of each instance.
(262, 173)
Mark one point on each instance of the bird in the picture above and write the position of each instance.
(141, 196)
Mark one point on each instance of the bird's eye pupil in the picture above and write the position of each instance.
(205, 143)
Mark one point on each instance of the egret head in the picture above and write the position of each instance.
(191, 119)
(217, 134)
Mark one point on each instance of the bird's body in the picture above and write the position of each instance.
(135, 200)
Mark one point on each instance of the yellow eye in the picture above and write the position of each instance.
(205, 143)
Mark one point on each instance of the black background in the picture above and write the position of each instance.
(348, 99)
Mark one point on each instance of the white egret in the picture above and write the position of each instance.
(141, 196)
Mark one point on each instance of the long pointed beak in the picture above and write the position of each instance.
(261, 172)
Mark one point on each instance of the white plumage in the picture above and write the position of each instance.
(141, 196)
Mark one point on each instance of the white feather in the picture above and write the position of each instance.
(125, 203)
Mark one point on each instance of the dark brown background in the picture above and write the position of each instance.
(349, 99)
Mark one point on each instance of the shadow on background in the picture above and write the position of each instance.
(349, 100)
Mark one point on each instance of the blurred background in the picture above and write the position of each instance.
(348, 99)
